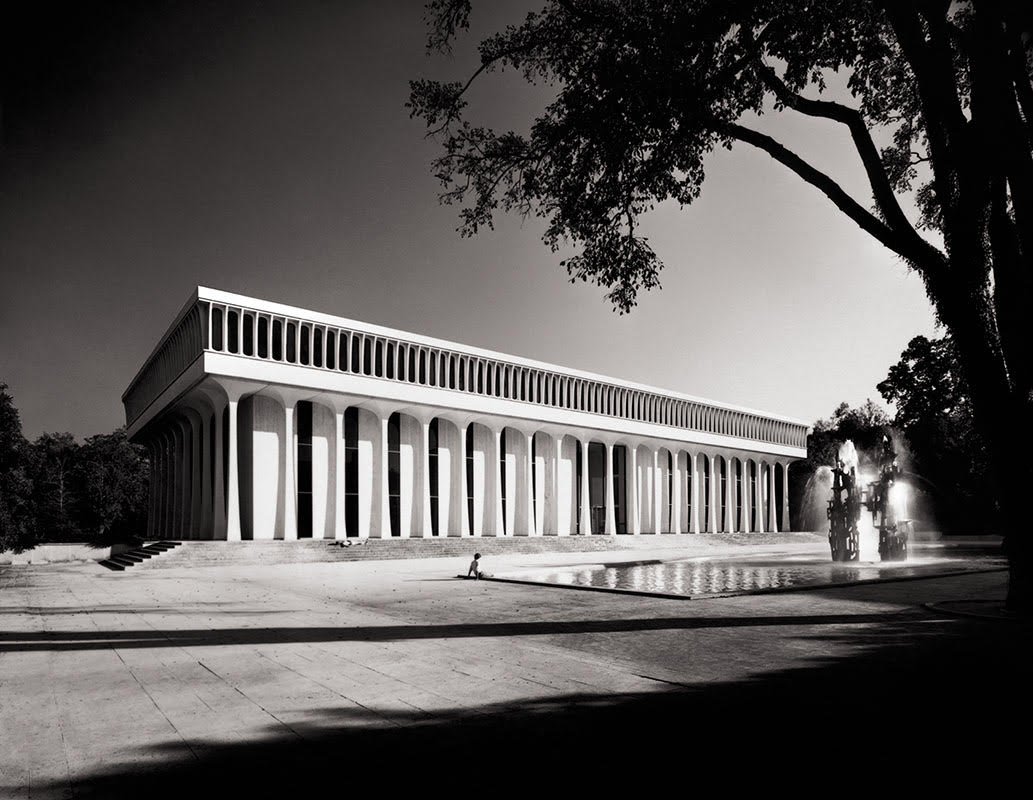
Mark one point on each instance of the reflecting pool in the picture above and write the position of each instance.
(701, 576)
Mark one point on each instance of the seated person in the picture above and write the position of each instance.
(475, 568)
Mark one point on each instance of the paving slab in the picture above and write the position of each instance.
(274, 679)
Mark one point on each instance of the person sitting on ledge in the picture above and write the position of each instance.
(475, 568)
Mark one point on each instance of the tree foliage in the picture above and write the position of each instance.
(934, 413)
(17, 529)
(111, 475)
(56, 490)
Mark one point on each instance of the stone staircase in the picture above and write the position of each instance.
(138, 555)
(220, 553)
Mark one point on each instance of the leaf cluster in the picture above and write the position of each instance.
(645, 89)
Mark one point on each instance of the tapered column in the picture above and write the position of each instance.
(151, 487)
(676, 492)
(714, 496)
(177, 480)
(611, 511)
(786, 525)
(729, 526)
(219, 465)
(554, 497)
(170, 485)
(206, 476)
(385, 487)
(747, 502)
(195, 476)
(771, 513)
(340, 531)
(636, 522)
(159, 486)
(233, 490)
(658, 493)
(424, 482)
(694, 492)
(529, 515)
(586, 499)
(290, 483)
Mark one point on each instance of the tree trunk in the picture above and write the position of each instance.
(1004, 416)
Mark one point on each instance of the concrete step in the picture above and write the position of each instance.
(138, 555)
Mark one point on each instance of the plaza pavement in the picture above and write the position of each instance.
(394, 676)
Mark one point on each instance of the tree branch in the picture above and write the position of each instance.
(866, 149)
(922, 254)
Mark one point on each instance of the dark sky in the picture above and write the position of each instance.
(264, 148)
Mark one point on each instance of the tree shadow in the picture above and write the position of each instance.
(925, 700)
(58, 640)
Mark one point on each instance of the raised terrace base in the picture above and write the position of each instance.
(200, 554)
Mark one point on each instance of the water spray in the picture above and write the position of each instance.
(885, 496)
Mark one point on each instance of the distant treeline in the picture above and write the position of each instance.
(58, 490)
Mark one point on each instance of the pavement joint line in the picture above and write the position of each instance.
(155, 702)
(252, 701)
(328, 688)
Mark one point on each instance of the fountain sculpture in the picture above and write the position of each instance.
(885, 497)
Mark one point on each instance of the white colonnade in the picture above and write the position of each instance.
(232, 463)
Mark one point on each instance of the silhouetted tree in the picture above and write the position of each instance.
(112, 482)
(53, 458)
(934, 412)
(646, 88)
(17, 529)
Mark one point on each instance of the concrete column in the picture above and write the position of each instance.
(218, 464)
(692, 464)
(426, 528)
(633, 516)
(187, 479)
(290, 483)
(340, 531)
(528, 527)
(786, 525)
(151, 487)
(195, 476)
(233, 490)
(159, 485)
(207, 526)
(772, 518)
(729, 497)
(611, 511)
(384, 501)
(746, 527)
(177, 480)
(714, 496)
(586, 497)
(676, 492)
(554, 491)
(658, 493)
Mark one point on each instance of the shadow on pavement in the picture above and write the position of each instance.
(23, 641)
(916, 702)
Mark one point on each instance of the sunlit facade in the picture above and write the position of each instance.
(265, 421)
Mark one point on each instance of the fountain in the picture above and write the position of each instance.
(885, 496)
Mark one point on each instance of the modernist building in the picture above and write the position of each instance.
(265, 421)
